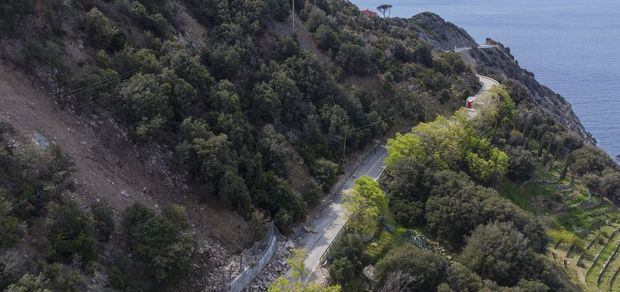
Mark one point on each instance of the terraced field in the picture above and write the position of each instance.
(591, 254)
(601, 261)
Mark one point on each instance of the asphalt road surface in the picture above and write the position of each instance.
(331, 219)
(483, 46)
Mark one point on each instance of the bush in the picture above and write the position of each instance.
(341, 271)
(499, 252)
(328, 39)
(233, 192)
(158, 243)
(522, 165)
(355, 60)
(103, 221)
(12, 11)
(421, 270)
(407, 212)
(70, 232)
(11, 229)
(257, 226)
(272, 193)
(325, 172)
(565, 238)
(312, 194)
(346, 259)
(102, 33)
(29, 282)
(146, 102)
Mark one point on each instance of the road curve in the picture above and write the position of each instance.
(481, 46)
(331, 219)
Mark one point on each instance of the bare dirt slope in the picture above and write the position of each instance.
(107, 164)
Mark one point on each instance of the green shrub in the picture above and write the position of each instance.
(158, 243)
(273, 194)
(565, 237)
(11, 229)
(103, 221)
(70, 232)
(234, 193)
(312, 194)
(12, 11)
(102, 32)
(325, 172)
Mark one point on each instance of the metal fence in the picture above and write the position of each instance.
(255, 259)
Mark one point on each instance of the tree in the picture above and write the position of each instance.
(449, 144)
(522, 165)
(257, 226)
(30, 283)
(460, 278)
(215, 157)
(610, 184)
(311, 193)
(158, 243)
(325, 172)
(327, 38)
(102, 220)
(11, 12)
(498, 251)
(453, 214)
(590, 159)
(234, 193)
(176, 215)
(355, 59)
(280, 9)
(266, 106)
(366, 204)
(102, 32)
(408, 184)
(272, 193)
(346, 259)
(146, 101)
(187, 67)
(532, 286)
(385, 8)
(298, 270)
(420, 270)
(69, 232)
(274, 150)
(341, 271)
(11, 229)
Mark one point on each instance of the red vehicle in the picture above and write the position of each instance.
(470, 102)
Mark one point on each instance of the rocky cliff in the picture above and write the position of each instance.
(500, 64)
(440, 34)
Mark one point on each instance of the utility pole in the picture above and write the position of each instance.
(344, 147)
(293, 13)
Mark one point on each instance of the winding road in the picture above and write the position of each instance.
(330, 220)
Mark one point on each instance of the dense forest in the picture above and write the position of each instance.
(237, 105)
(446, 182)
(241, 95)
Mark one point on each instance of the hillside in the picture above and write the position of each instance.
(146, 143)
(219, 109)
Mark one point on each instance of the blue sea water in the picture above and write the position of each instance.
(572, 46)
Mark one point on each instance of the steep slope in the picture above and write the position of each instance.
(499, 62)
(440, 34)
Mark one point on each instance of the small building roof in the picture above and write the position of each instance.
(369, 13)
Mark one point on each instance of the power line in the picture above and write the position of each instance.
(119, 77)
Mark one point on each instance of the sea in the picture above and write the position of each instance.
(572, 46)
